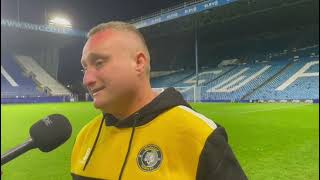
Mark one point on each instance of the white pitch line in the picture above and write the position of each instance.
(262, 110)
(272, 109)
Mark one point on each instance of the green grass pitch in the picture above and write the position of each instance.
(271, 141)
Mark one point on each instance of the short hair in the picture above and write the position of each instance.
(120, 26)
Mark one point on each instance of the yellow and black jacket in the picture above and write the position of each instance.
(164, 140)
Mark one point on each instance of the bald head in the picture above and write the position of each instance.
(134, 40)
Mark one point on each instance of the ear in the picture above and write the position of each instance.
(140, 62)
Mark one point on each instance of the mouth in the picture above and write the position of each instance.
(95, 91)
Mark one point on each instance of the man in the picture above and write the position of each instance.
(142, 135)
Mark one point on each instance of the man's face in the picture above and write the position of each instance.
(109, 69)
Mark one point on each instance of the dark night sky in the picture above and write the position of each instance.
(83, 13)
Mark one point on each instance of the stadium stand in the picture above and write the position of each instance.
(41, 76)
(155, 74)
(204, 77)
(299, 81)
(281, 75)
(172, 79)
(272, 63)
(14, 83)
(240, 81)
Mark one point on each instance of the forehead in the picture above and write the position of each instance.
(98, 43)
(100, 38)
(109, 41)
(110, 38)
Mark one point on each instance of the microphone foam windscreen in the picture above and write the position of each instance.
(50, 132)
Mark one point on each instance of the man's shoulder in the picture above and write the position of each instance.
(189, 116)
(91, 126)
(186, 121)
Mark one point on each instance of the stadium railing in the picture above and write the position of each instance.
(162, 11)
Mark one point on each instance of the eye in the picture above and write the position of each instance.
(99, 63)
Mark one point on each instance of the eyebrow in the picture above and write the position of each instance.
(93, 57)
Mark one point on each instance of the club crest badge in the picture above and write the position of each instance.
(149, 158)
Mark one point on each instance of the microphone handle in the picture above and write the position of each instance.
(17, 151)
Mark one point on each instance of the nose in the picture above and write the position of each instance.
(89, 79)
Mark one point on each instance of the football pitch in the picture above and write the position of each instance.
(271, 141)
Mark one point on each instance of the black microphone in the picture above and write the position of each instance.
(46, 134)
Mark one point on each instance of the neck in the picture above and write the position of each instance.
(139, 99)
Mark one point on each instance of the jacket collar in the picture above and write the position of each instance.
(168, 99)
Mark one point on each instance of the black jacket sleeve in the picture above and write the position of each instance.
(217, 161)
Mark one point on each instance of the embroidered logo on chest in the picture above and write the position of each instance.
(149, 158)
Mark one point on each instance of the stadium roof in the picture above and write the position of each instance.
(83, 14)
(258, 16)
(23, 22)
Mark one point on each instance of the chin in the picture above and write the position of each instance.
(100, 105)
